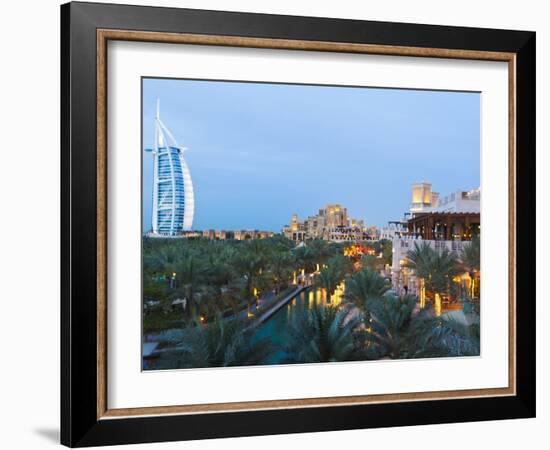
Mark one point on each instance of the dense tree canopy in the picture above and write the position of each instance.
(198, 294)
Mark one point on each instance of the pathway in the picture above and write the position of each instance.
(277, 306)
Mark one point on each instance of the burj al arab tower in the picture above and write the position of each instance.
(173, 198)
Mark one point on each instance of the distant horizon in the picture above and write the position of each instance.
(350, 216)
(260, 152)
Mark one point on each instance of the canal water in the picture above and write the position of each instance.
(276, 328)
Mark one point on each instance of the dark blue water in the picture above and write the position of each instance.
(276, 327)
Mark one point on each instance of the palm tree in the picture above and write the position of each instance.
(396, 331)
(280, 242)
(365, 285)
(221, 343)
(328, 279)
(304, 258)
(372, 263)
(444, 337)
(250, 267)
(436, 268)
(163, 259)
(219, 270)
(189, 275)
(470, 262)
(280, 267)
(341, 264)
(388, 327)
(387, 250)
(324, 333)
(320, 251)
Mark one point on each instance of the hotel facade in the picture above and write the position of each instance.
(448, 223)
(332, 223)
(453, 217)
(173, 197)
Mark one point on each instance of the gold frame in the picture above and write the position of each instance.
(103, 36)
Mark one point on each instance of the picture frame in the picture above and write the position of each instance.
(86, 29)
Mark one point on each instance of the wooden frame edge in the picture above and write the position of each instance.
(103, 36)
(512, 269)
(289, 44)
(213, 408)
(101, 223)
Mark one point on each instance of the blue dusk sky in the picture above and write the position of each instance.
(258, 153)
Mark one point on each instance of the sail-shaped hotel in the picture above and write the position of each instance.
(173, 198)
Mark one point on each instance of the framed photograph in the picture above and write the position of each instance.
(277, 224)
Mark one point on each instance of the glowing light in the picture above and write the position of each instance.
(437, 305)
(422, 293)
(336, 298)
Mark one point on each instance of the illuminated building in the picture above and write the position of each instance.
(448, 222)
(404, 277)
(424, 200)
(422, 197)
(445, 226)
(453, 217)
(332, 224)
(335, 216)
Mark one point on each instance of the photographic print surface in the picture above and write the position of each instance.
(292, 224)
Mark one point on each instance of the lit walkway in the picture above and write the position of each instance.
(277, 306)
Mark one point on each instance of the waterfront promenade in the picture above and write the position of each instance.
(268, 305)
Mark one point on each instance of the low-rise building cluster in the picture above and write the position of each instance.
(448, 222)
(239, 235)
(331, 224)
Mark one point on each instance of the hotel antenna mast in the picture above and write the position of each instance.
(173, 197)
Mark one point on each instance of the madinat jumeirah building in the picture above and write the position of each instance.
(449, 222)
(332, 223)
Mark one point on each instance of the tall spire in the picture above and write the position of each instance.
(173, 196)
(162, 133)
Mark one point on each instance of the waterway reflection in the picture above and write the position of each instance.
(276, 329)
